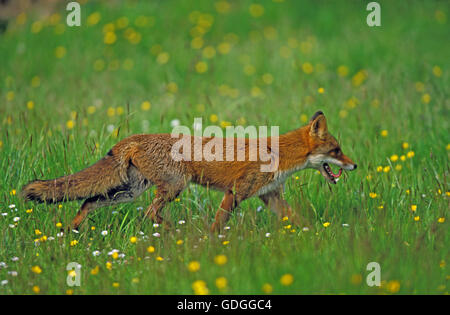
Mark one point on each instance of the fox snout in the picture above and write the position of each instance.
(347, 163)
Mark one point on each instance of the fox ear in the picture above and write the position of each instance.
(318, 125)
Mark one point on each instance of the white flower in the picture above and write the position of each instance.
(267, 234)
(345, 224)
(175, 123)
(113, 251)
(259, 209)
(75, 231)
(13, 273)
(220, 236)
(110, 128)
(12, 226)
(181, 222)
(305, 229)
(4, 282)
(50, 238)
(226, 228)
(60, 234)
(12, 206)
(139, 208)
(121, 255)
(15, 258)
(156, 234)
(16, 219)
(4, 214)
(155, 225)
(104, 233)
(3, 265)
(96, 253)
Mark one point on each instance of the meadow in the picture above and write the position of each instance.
(68, 94)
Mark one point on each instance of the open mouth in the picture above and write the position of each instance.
(328, 173)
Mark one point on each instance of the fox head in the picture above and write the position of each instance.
(325, 150)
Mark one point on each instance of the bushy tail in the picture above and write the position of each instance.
(92, 181)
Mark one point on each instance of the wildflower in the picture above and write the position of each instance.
(224, 48)
(284, 219)
(181, 222)
(96, 253)
(386, 169)
(180, 242)
(37, 232)
(36, 289)
(410, 154)
(162, 58)
(405, 145)
(256, 10)
(209, 52)
(413, 208)
(373, 195)
(286, 279)
(16, 219)
(146, 105)
(60, 52)
(108, 265)
(159, 258)
(221, 283)
(321, 90)
(342, 71)
(133, 239)
(220, 260)
(200, 287)
(36, 269)
(73, 243)
(326, 224)
(426, 98)
(194, 266)
(201, 67)
(150, 249)
(394, 158)
(307, 68)
(110, 38)
(59, 225)
(393, 286)
(156, 234)
(384, 133)
(104, 233)
(70, 124)
(115, 255)
(115, 284)
(225, 242)
(441, 220)
(30, 105)
(267, 78)
(416, 218)
(267, 288)
(379, 169)
(398, 167)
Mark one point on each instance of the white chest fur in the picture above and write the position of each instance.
(279, 179)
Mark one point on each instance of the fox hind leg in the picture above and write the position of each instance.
(228, 204)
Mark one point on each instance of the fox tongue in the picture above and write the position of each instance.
(336, 175)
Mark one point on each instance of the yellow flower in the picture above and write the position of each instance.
(285, 218)
(194, 266)
(70, 124)
(356, 279)
(393, 286)
(29, 210)
(420, 87)
(267, 78)
(172, 87)
(146, 105)
(93, 18)
(307, 68)
(30, 105)
(321, 90)
(441, 220)
(36, 27)
(133, 240)
(209, 52)
(379, 169)
(386, 169)
(408, 191)
(256, 10)
(410, 154)
(226, 242)
(69, 291)
(95, 270)
(221, 283)
(224, 48)
(398, 167)
(426, 98)
(222, 7)
(162, 58)
(405, 145)
(384, 133)
(59, 225)
(402, 158)
(201, 67)
(416, 218)
(73, 243)
(35, 81)
(180, 242)
(267, 288)
(115, 284)
(373, 195)
(200, 287)
(9, 95)
(197, 43)
(37, 232)
(110, 38)
(36, 289)
(342, 71)
(437, 71)
(286, 279)
(108, 265)
(394, 158)
(36, 269)
(12, 192)
(413, 208)
(220, 260)
(159, 258)
(326, 224)
(115, 255)
(150, 249)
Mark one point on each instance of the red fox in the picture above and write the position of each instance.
(141, 161)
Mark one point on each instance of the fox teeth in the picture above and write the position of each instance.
(336, 179)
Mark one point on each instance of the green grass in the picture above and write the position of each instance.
(97, 89)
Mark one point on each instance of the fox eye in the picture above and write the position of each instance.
(336, 151)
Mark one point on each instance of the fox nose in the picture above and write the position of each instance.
(355, 166)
